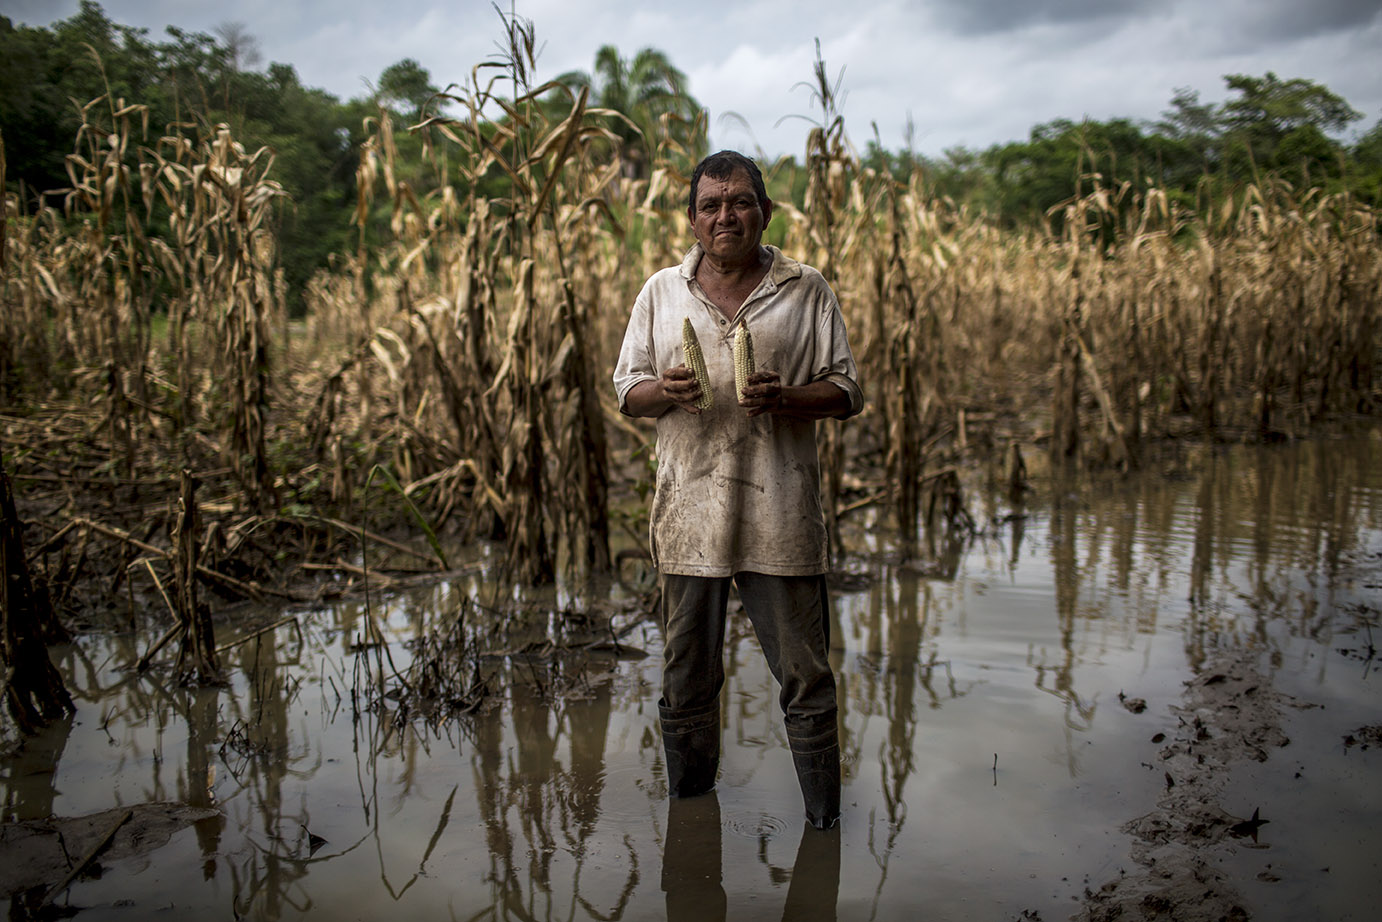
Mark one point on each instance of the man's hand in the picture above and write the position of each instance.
(676, 388)
(679, 386)
(762, 393)
(765, 393)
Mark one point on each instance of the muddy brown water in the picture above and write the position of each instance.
(990, 762)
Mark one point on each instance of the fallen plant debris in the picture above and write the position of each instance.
(1133, 705)
(39, 857)
(1364, 737)
(1248, 827)
(464, 664)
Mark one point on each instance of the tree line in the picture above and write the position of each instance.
(1196, 151)
(189, 80)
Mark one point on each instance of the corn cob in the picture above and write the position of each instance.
(695, 360)
(743, 359)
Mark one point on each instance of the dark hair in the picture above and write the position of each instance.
(723, 165)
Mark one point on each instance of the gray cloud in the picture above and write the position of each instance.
(1260, 20)
(984, 17)
(1296, 19)
(970, 73)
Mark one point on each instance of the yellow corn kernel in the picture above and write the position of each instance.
(743, 359)
(695, 361)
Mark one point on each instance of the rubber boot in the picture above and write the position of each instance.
(817, 761)
(691, 739)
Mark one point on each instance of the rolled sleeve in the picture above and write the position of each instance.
(636, 363)
(852, 391)
(834, 359)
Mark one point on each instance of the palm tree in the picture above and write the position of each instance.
(651, 96)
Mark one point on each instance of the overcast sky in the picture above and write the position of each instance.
(966, 72)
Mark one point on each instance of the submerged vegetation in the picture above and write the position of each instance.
(183, 405)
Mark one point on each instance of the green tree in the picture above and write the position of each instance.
(1063, 158)
(1267, 110)
(1193, 128)
(241, 47)
(187, 82)
(959, 175)
(1367, 165)
(405, 87)
(48, 74)
(315, 142)
(651, 96)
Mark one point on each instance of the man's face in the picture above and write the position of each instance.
(727, 219)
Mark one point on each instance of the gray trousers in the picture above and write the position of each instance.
(790, 615)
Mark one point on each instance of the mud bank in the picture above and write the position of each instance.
(1230, 713)
(1230, 716)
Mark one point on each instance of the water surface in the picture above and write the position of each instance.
(989, 761)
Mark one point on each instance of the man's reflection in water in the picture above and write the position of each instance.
(691, 867)
(691, 860)
(815, 882)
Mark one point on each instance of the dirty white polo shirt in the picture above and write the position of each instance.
(735, 493)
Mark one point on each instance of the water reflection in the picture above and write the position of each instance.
(1056, 676)
(540, 792)
(37, 763)
(263, 755)
(552, 804)
(203, 731)
(902, 636)
(691, 853)
(692, 879)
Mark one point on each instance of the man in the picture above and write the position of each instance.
(738, 495)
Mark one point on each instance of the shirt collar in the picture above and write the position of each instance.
(783, 269)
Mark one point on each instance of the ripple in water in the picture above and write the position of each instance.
(630, 795)
(757, 825)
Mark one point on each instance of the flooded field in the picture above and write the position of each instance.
(1004, 714)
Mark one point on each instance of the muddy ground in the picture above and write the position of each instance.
(1230, 714)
